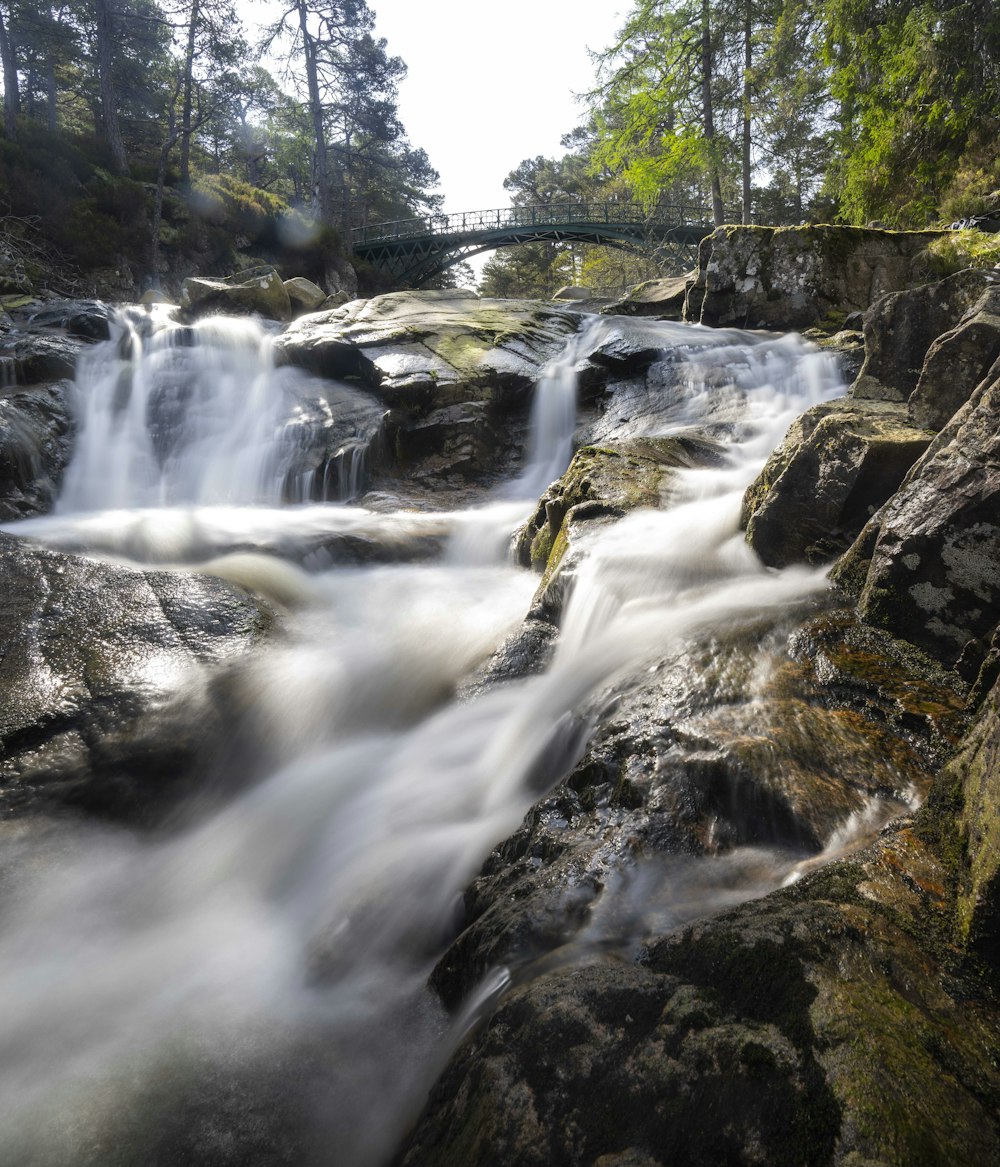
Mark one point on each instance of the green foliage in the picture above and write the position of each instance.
(235, 205)
(961, 249)
(916, 82)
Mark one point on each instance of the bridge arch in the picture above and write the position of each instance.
(412, 251)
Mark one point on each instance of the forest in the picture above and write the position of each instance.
(172, 136)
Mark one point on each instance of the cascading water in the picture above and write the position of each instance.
(199, 414)
(270, 962)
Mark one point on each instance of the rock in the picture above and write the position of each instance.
(336, 300)
(956, 362)
(430, 349)
(83, 319)
(45, 340)
(36, 430)
(29, 358)
(571, 292)
(104, 680)
(304, 295)
(839, 463)
(799, 277)
(662, 298)
(452, 368)
(900, 328)
(824, 1024)
(340, 278)
(257, 290)
(690, 760)
(456, 439)
(600, 485)
(973, 777)
(924, 567)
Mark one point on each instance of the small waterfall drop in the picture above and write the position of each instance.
(280, 948)
(553, 413)
(174, 414)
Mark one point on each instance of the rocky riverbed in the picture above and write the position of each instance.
(739, 903)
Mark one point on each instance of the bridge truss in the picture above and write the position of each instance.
(411, 251)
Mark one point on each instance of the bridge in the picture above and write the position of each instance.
(411, 251)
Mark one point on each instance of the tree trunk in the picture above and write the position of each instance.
(747, 67)
(109, 106)
(708, 114)
(11, 93)
(188, 89)
(51, 93)
(321, 177)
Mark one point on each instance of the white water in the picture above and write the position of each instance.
(199, 414)
(296, 926)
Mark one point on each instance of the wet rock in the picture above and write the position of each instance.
(799, 277)
(29, 358)
(257, 290)
(848, 346)
(972, 780)
(424, 350)
(769, 740)
(660, 298)
(824, 1024)
(36, 430)
(601, 484)
(924, 567)
(454, 440)
(83, 319)
(839, 463)
(901, 327)
(104, 680)
(956, 363)
(452, 368)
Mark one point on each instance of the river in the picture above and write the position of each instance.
(251, 986)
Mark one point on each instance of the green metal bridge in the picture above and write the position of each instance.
(411, 251)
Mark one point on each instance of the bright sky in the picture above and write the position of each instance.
(492, 83)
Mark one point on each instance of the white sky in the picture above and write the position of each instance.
(492, 83)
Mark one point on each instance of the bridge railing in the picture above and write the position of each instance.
(506, 218)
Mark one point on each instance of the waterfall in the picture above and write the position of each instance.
(198, 414)
(281, 946)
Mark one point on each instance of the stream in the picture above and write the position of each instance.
(253, 982)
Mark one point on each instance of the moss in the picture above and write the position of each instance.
(955, 250)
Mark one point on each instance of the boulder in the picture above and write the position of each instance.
(304, 295)
(451, 367)
(428, 349)
(956, 362)
(924, 567)
(83, 319)
(733, 743)
(799, 277)
(662, 298)
(839, 463)
(973, 776)
(601, 484)
(36, 431)
(257, 290)
(104, 679)
(902, 326)
(823, 1025)
(572, 292)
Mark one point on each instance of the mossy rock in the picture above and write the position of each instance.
(839, 463)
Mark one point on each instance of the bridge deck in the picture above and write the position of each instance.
(413, 250)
